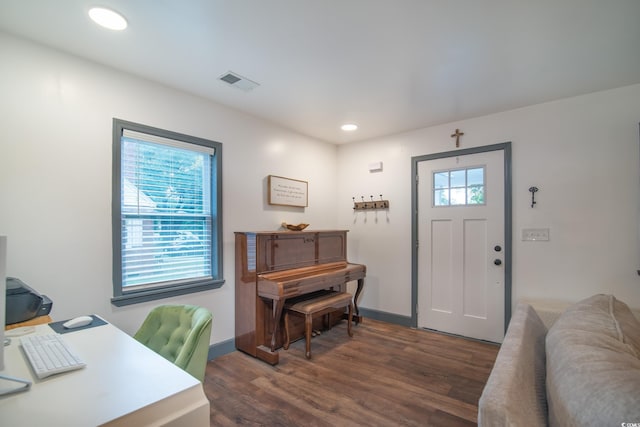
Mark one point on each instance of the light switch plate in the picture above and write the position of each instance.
(535, 234)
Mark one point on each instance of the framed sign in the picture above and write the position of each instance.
(288, 192)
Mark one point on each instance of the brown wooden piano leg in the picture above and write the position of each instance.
(277, 313)
(286, 331)
(308, 325)
(350, 319)
(355, 300)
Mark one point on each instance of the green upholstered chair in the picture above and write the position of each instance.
(179, 333)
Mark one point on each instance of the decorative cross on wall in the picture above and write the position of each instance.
(457, 134)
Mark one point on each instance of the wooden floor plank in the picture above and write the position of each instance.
(385, 375)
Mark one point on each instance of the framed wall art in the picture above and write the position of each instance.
(287, 191)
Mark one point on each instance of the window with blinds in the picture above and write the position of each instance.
(166, 228)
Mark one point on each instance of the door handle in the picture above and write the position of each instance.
(497, 262)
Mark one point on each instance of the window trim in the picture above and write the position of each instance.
(122, 298)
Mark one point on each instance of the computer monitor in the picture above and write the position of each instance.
(24, 384)
(3, 294)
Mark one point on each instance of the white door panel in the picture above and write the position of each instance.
(475, 268)
(442, 269)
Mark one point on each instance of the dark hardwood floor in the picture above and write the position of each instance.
(386, 375)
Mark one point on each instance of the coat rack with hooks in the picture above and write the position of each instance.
(368, 205)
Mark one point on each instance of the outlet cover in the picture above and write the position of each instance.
(535, 234)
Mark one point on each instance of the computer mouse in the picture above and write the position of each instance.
(77, 322)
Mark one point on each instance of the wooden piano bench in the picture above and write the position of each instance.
(319, 303)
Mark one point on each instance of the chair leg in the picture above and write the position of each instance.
(308, 324)
(350, 318)
(286, 330)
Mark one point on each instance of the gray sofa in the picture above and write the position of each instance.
(583, 371)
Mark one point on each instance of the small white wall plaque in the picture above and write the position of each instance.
(288, 192)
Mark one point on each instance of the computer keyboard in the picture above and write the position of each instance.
(49, 354)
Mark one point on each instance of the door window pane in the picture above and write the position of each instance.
(458, 178)
(441, 180)
(441, 197)
(475, 176)
(458, 196)
(475, 195)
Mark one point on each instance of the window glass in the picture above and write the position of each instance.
(441, 197)
(475, 176)
(458, 178)
(441, 180)
(167, 190)
(458, 196)
(475, 195)
(459, 187)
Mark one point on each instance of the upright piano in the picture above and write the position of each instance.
(274, 266)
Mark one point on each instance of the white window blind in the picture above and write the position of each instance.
(166, 211)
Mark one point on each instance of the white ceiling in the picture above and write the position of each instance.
(387, 65)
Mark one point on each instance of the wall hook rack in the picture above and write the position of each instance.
(533, 191)
(373, 204)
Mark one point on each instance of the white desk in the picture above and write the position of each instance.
(123, 384)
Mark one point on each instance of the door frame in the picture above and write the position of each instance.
(508, 235)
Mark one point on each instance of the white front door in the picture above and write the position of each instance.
(461, 245)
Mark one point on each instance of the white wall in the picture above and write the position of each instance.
(582, 154)
(55, 176)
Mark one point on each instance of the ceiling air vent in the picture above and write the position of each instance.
(238, 81)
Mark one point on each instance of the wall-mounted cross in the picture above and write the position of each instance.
(458, 134)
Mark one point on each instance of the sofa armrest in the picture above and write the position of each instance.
(515, 391)
(593, 364)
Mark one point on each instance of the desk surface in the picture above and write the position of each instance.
(124, 383)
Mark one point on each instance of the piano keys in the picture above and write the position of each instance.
(274, 266)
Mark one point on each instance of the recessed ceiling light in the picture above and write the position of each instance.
(349, 127)
(108, 18)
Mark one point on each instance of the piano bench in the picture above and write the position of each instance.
(320, 303)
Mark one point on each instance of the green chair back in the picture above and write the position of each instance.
(179, 333)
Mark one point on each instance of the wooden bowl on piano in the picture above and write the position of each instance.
(292, 227)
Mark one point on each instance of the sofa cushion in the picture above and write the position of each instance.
(593, 369)
(515, 391)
